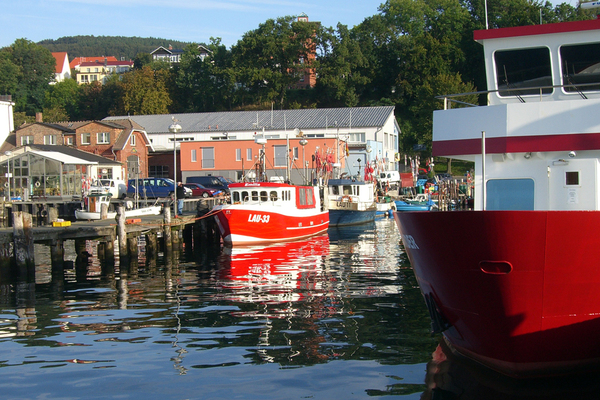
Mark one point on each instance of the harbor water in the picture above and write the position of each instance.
(337, 316)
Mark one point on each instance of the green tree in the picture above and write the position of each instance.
(10, 74)
(144, 92)
(271, 59)
(65, 95)
(141, 60)
(338, 68)
(37, 66)
(205, 83)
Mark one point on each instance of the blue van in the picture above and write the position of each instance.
(151, 187)
(211, 182)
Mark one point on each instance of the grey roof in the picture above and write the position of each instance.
(71, 151)
(231, 121)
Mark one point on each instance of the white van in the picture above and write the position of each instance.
(116, 187)
(392, 178)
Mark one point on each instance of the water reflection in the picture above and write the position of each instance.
(344, 301)
(450, 377)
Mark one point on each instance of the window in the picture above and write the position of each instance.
(160, 171)
(248, 154)
(523, 68)
(580, 65)
(305, 197)
(295, 153)
(208, 157)
(357, 137)
(572, 178)
(49, 139)
(86, 138)
(69, 140)
(510, 194)
(280, 155)
(132, 140)
(26, 140)
(193, 155)
(238, 154)
(103, 138)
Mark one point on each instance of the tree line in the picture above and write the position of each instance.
(405, 55)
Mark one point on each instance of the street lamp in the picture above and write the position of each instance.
(303, 142)
(175, 128)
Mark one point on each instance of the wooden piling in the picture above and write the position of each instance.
(121, 231)
(103, 211)
(57, 253)
(52, 215)
(151, 245)
(23, 244)
(109, 250)
(167, 230)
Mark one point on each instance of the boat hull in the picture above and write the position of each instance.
(351, 217)
(516, 290)
(241, 225)
(138, 212)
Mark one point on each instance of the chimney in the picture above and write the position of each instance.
(170, 47)
(39, 117)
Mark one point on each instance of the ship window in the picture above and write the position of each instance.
(572, 178)
(580, 66)
(509, 194)
(273, 195)
(255, 195)
(524, 71)
(245, 196)
(236, 196)
(264, 196)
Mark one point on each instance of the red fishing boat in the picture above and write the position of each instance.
(268, 212)
(514, 283)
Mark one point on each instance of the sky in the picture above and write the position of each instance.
(184, 20)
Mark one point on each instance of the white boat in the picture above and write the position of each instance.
(350, 202)
(93, 208)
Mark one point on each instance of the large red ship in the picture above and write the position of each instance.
(514, 283)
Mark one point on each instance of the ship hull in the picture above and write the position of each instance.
(514, 290)
(240, 225)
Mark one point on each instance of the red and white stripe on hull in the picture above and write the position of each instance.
(518, 289)
(243, 226)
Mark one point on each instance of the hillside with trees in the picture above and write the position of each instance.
(406, 55)
(121, 47)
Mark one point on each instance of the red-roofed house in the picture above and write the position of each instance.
(99, 70)
(63, 70)
(76, 62)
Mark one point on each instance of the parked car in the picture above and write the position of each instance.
(444, 177)
(116, 187)
(199, 190)
(210, 182)
(391, 178)
(153, 187)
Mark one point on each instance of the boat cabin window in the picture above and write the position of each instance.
(263, 195)
(286, 195)
(347, 190)
(245, 196)
(334, 190)
(273, 195)
(524, 71)
(580, 66)
(305, 197)
(255, 195)
(509, 194)
(572, 178)
(235, 196)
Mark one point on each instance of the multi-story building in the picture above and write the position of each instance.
(223, 143)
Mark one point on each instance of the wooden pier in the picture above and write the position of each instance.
(116, 237)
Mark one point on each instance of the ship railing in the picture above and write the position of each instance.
(450, 99)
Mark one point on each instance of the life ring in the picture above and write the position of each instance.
(347, 198)
(37, 184)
